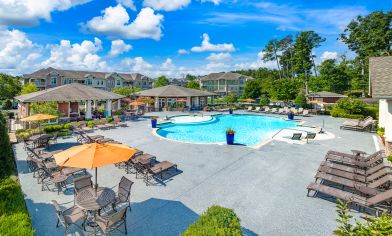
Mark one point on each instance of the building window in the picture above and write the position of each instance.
(118, 82)
(89, 81)
(53, 81)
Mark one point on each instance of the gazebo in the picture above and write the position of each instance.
(172, 94)
(68, 98)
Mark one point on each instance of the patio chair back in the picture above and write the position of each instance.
(59, 213)
(310, 135)
(82, 182)
(124, 189)
(300, 110)
(273, 110)
(266, 109)
(116, 217)
(296, 136)
(249, 108)
(305, 112)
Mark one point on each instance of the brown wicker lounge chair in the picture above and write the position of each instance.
(113, 221)
(379, 199)
(344, 174)
(296, 136)
(158, 170)
(366, 125)
(141, 163)
(356, 157)
(349, 161)
(354, 170)
(68, 217)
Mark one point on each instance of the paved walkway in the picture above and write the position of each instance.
(266, 187)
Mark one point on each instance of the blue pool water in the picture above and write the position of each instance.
(249, 129)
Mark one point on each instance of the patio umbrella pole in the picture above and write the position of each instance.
(96, 179)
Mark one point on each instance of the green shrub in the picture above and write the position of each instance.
(90, 123)
(109, 119)
(389, 158)
(7, 105)
(372, 111)
(381, 131)
(336, 112)
(215, 221)
(264, 101)
(14, 218)
(300, 100)
(351, 106)
(373, 226)
(56, 128)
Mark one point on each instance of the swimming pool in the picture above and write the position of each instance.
(249, 129)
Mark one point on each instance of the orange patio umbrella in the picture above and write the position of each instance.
(136, 103)
(38, 117)
(94, 155)
(249, 100)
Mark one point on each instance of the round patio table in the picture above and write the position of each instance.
(87, 199)
(91, 200)
(59, 181)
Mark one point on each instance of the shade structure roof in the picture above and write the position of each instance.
(326, 94)
(94, 155)
(69, 93)
(174, 91)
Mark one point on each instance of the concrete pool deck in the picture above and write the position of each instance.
(266, 187)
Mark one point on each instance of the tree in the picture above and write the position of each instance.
(300, 100)
(303, 57)
(286, 59)
(271, 53)
(29, 88)
(125, 91)
(7, 105)
(190, 77)
(231, 98)
(264, 101)
(285, 89)
(252, 89)
(335, 75)
(193, 84)
(161, 81)
(50, 108)
(369, 36)
(9, 86)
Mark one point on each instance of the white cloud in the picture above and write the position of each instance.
(128, 3)
(81, 56)
(29, 12)
(216, 2)
(166, 5)
(258, 63)
(168, 65)
(137, 64)
(119, 47)
(183, 51)
(18, 54)
(219, 56)
(115, 23)
(216, 65)
(329, 55)
(206, 46)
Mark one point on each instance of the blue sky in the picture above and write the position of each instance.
(163, 36)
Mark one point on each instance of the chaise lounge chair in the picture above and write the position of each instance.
(353, 162)
(158, 170)
(361, 126)
(354, 170)
(296, 136)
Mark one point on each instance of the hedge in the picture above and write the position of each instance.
(14, 218)
(217, 221)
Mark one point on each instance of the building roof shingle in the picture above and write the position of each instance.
(68, 93)
(224, 75)
(326, 94)
(173, 91)
(380, 76)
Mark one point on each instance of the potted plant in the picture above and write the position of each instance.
(290, 115)
(230, 136)
(153, 122)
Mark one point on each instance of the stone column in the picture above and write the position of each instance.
(118, 104)
(88, 110)
(156, 104)
(108, 108)
(69, 109)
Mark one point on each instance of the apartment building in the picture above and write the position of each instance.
(223, 83)
(51, 77)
